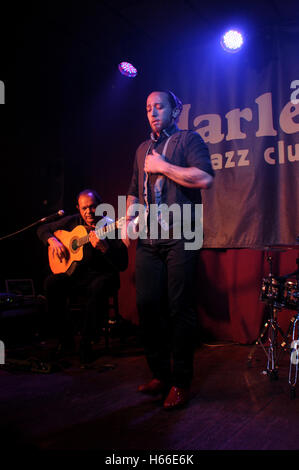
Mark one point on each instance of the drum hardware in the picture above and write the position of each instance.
(280, 292)
(293, 332)
(273, 351)
(272, 294)
(294, 354)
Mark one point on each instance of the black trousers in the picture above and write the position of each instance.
(94, 288)
(165, 276)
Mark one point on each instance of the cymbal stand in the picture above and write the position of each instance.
(294, 356)
(294, 353)
(269, 335)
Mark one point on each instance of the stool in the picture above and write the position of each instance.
(113, 319)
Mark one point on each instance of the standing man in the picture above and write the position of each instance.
(97, 275)
(170, 168)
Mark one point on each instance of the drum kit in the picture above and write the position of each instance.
(280, 292)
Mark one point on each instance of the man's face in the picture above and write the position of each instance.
(87, 207)
(159, 111)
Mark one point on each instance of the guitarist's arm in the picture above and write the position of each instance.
(45, 234)
(97, 243)
(117, 254)
(46, 231)
(114, 251)
(58, 248)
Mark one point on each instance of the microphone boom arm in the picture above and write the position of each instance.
(44, 219)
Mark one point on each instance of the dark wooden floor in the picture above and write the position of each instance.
(233, 406)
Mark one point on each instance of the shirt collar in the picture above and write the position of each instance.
(165, 133)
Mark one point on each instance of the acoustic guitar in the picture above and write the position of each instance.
(74, 242)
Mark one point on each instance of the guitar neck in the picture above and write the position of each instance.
(99, 232)
(106, 229)
(82, 240)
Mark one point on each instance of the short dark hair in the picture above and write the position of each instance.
(174, 102)
(88, 191)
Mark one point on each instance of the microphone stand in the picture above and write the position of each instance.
(39, 221)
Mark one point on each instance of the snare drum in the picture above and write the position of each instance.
(273, 292)
(291, 295)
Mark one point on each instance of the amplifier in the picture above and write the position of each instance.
(9, 300)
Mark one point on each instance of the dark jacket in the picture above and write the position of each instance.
(94, 261)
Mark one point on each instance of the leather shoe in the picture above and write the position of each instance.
(154, 387)
(176, 398)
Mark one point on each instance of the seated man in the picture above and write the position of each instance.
(96, 275)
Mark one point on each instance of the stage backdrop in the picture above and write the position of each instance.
(243, 105)
(72, 121)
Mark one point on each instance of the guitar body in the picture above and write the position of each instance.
(75, 253)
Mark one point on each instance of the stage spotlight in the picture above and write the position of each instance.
(127, 69)
(232, 41)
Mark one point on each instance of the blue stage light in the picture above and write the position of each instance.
(127, 69)
(232, 41)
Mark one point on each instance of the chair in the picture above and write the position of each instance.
(111, 320)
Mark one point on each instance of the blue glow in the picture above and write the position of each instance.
(127, 69)
(232, 41)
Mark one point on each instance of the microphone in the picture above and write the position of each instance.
(52, 217)
(44, 219)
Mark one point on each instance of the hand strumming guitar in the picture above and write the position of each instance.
(58, 248)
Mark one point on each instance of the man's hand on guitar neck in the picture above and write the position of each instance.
(58, 248)
(97, 243)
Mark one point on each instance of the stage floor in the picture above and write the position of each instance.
(233, 406)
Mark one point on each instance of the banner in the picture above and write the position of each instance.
(246, 108)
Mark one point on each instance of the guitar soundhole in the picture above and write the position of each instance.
(74, 244)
